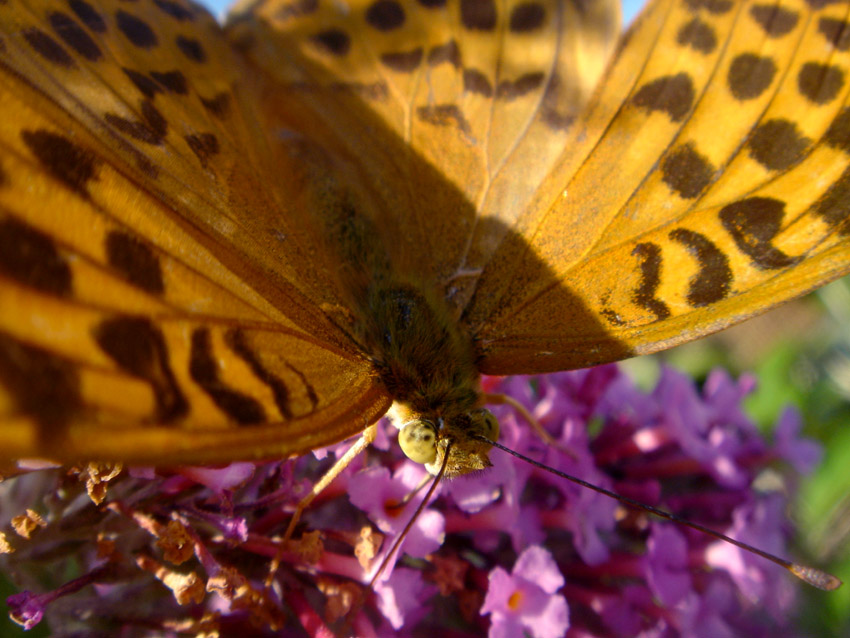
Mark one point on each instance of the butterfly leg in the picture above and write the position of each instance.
(365, 440)
(504, 399)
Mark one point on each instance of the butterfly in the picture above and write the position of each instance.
(251, 242)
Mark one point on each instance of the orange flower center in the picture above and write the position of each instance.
(515, 600)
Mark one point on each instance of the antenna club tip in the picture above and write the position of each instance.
(815, 577)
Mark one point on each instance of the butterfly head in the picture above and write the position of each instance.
(424, 440)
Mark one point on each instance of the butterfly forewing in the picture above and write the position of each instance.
(130, 328)
(453, 110)
(706, 184)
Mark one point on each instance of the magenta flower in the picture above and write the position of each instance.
(27, 609)
(802, 453)
(525, 601)
(510, 550)
(667, 556)
(400, 596)
(380, 497)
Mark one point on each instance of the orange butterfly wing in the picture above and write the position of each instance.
(448, 124)
(707, 183)
(681, 201)
(147, 315)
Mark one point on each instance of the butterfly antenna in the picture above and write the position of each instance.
(400, 538)
(810, 575)
(409, 496)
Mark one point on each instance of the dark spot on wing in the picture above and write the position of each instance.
(432, 4)
(175, 10)
(717, 7)
(218, 105)
(698, 35)
(385, 15)
(146, 85)
(88, 15)
(448, 52)
(834, 205)
(750, 75)
(521, 86)
(444, 115)
(612, 317)
(139, 348)
(714, 279)
(650, 269)
(203, 369)
(820, 4)
(48, 48)
(478, 15)
(146, 166)
(837, 32)
(775, 21)
(203, 145)
(308, 387)
(527, 17)
(296, 9)
(686, 171)
(550, 108)
(838, 134)
(334, 41)
(154, 118)
(777, 144)
(753, 224)
(74, 36)
(42, 385)
(135, 261)
(820, 83)
(173, 81)
(72, 165)
(136, 30)
(403, 61)
(30, 257)
(475, 81)
(191, 48)
(671, 94)
(151, 130)
(235, 340)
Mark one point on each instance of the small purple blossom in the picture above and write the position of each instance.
(400, 596)
(508, 551)
(667, 557)
(525, 601)
(380, 496)
(802, 453)
(26, 608)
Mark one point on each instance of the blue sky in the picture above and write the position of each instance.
(630, 7)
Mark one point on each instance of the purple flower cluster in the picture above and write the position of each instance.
(510, 550)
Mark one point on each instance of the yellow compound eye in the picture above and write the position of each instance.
(418, 440)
